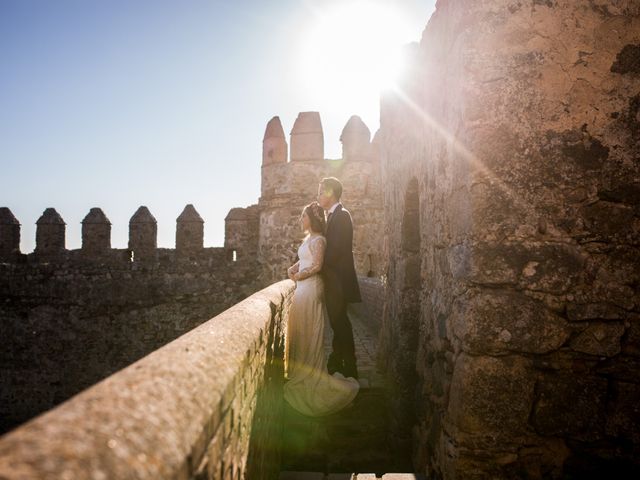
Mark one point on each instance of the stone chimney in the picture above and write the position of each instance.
(9, 233)
(96, 232)
(189, 230)
(355, 140)
(50, 233)
(307, 139)
(274, 144)
(143, 234)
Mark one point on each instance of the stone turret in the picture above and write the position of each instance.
(143, 234)
(50, 233)
(307, 139)
(355, 139)
(189, 230)
(96, 232)
(274, 144)
(241, 231)
(9, 233)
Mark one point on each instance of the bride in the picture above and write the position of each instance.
(310, 389)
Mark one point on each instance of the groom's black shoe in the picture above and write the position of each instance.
(334, 364)
(350, 369)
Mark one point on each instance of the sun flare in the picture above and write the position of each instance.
(353, 49)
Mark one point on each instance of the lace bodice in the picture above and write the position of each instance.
(311, 254)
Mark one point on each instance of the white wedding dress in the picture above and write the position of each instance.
(310, 389)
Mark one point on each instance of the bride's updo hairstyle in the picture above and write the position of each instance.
(316, 217)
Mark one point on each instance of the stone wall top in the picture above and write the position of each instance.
(307, 122)
(156, 417)
(96, 234)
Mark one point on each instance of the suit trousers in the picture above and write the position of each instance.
(343, 345)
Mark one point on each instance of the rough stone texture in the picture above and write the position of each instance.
(206, 405)
(503, 322)
(189, 231)
(510, 156)
(356, 139)
(73, 320)
(143, 234)
(96, 232)
(307, 138)
(9, 234)
(372, 292)
(50, 233)
(274, 145)
(241, 232)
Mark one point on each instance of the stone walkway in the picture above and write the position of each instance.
(365, 342)
(347, 476)
(353, 440)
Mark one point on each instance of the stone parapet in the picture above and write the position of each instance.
(206, 405)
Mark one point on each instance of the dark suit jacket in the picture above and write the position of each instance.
(338, 269)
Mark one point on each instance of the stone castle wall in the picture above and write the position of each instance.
(513, 224)
(69, 318)
(207, 405)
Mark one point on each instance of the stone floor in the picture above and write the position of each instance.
(347, 476)
(338, 446)
(365, 342)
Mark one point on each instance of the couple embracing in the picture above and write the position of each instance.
(326, 282)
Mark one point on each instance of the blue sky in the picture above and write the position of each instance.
(116, 104)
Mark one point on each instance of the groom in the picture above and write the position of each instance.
(339, 274)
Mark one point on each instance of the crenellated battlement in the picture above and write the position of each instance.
(289, 183)
(295, 178)
(96, 238)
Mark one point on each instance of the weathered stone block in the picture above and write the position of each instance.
(623, 417)
(612, 222)
(499, 322)
(620, 367)
(534, 266)
(599, 339)
(594, 311)
(491, 395)
(571, 405)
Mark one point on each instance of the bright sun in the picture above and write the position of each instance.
(353, 49)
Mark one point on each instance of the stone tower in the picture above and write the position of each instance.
(288, 186)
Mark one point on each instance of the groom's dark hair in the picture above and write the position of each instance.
(332, 184)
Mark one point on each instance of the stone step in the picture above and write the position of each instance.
(348, 476)
(302, 476)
